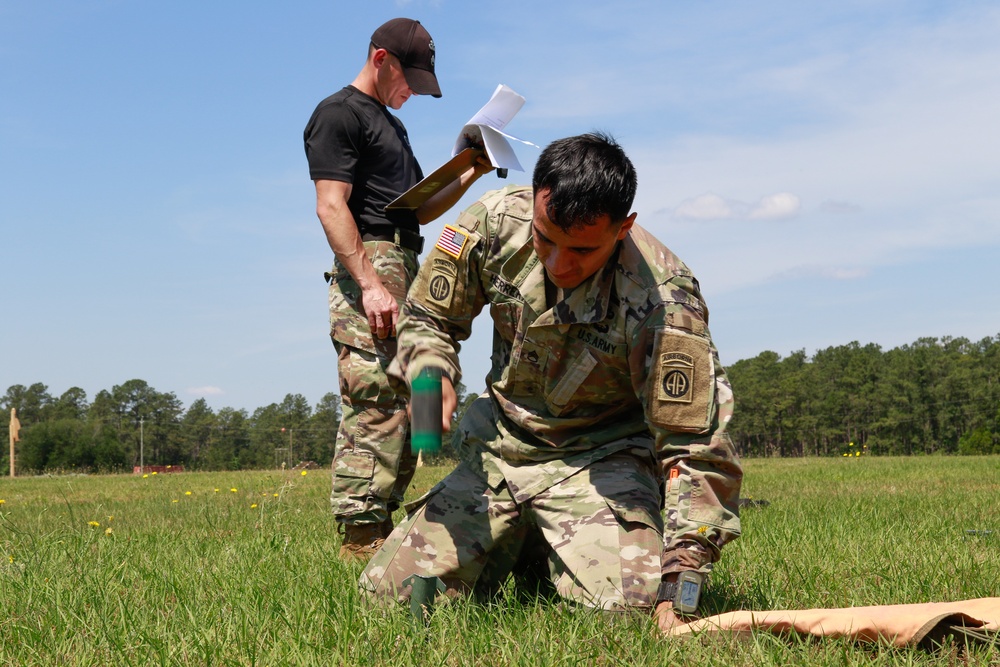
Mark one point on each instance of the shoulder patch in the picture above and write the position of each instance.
(681, 394)
(452, 241)
(441, 287)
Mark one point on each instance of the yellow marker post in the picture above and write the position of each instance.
(15, 426)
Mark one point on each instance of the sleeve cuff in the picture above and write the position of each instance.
(685, 558)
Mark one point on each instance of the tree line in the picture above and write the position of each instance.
(933, 396)
(135, 424)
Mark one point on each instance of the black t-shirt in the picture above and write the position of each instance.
(353, 138)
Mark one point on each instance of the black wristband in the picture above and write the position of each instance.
(666, 592)
(683, 594)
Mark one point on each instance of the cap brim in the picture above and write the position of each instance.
(421, 81)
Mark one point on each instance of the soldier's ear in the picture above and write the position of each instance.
(626, 226)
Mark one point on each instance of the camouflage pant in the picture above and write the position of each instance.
(372, 464)
(601, 529)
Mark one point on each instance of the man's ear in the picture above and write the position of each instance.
(378, 57)
(626, 226)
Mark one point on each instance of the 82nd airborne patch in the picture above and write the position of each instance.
(677, 377)
(441, 285)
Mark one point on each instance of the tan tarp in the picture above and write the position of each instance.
(900, 625)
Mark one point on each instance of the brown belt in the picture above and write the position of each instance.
(401, 237)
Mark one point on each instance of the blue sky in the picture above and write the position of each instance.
(830, 171)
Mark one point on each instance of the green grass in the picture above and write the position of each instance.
(209, 579)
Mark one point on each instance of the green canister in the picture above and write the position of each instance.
(425, 411)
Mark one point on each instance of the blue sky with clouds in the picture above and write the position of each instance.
(830, 171)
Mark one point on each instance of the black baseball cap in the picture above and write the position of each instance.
(412, 45)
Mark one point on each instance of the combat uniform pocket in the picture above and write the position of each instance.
(681, 393)
(562, 393)
(348, 324)
(356, 464)
(629, 513)
(417, 503)
(352, 478)
(640, 545)
(635, 496)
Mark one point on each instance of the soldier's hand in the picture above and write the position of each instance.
(382, 310)
(449, 402)
(666, 619)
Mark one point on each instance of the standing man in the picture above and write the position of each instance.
(360, 160)
(605, 399)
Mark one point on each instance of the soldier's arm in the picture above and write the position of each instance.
(688, 403)
(443, 301)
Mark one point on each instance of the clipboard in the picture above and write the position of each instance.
(442, 176)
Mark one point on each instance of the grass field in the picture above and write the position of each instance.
(241, 569)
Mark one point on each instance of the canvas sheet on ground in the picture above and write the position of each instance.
(899, 625)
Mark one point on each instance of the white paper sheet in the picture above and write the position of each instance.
(484, 129)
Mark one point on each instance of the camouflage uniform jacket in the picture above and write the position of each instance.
(625, 362)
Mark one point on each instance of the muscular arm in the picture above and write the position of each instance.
(449, 195)
(345, 241)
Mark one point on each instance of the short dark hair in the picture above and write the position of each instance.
(587, 176)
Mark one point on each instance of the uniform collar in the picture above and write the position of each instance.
(588, 303)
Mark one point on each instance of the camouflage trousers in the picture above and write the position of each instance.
(372, 463)
(600, 532)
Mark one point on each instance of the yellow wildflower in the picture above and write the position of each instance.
(2, 501)
(153, 473)
(108, 531)
(303, 473)
(233, 489)
(216, 490)
(145, 476)
(11, 557)
(254, 506)
(95, 524)
(702, 530)
(187, 493)
(175, 501)
(276, 495)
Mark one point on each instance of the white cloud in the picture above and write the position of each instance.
(204, 391)
(776, 207)
(704, 207)
(780, 206)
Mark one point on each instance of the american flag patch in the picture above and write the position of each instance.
(452, 241)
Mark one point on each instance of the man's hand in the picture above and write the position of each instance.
(381, 309)
(480, 167)
(666, 619)
(449, 402)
